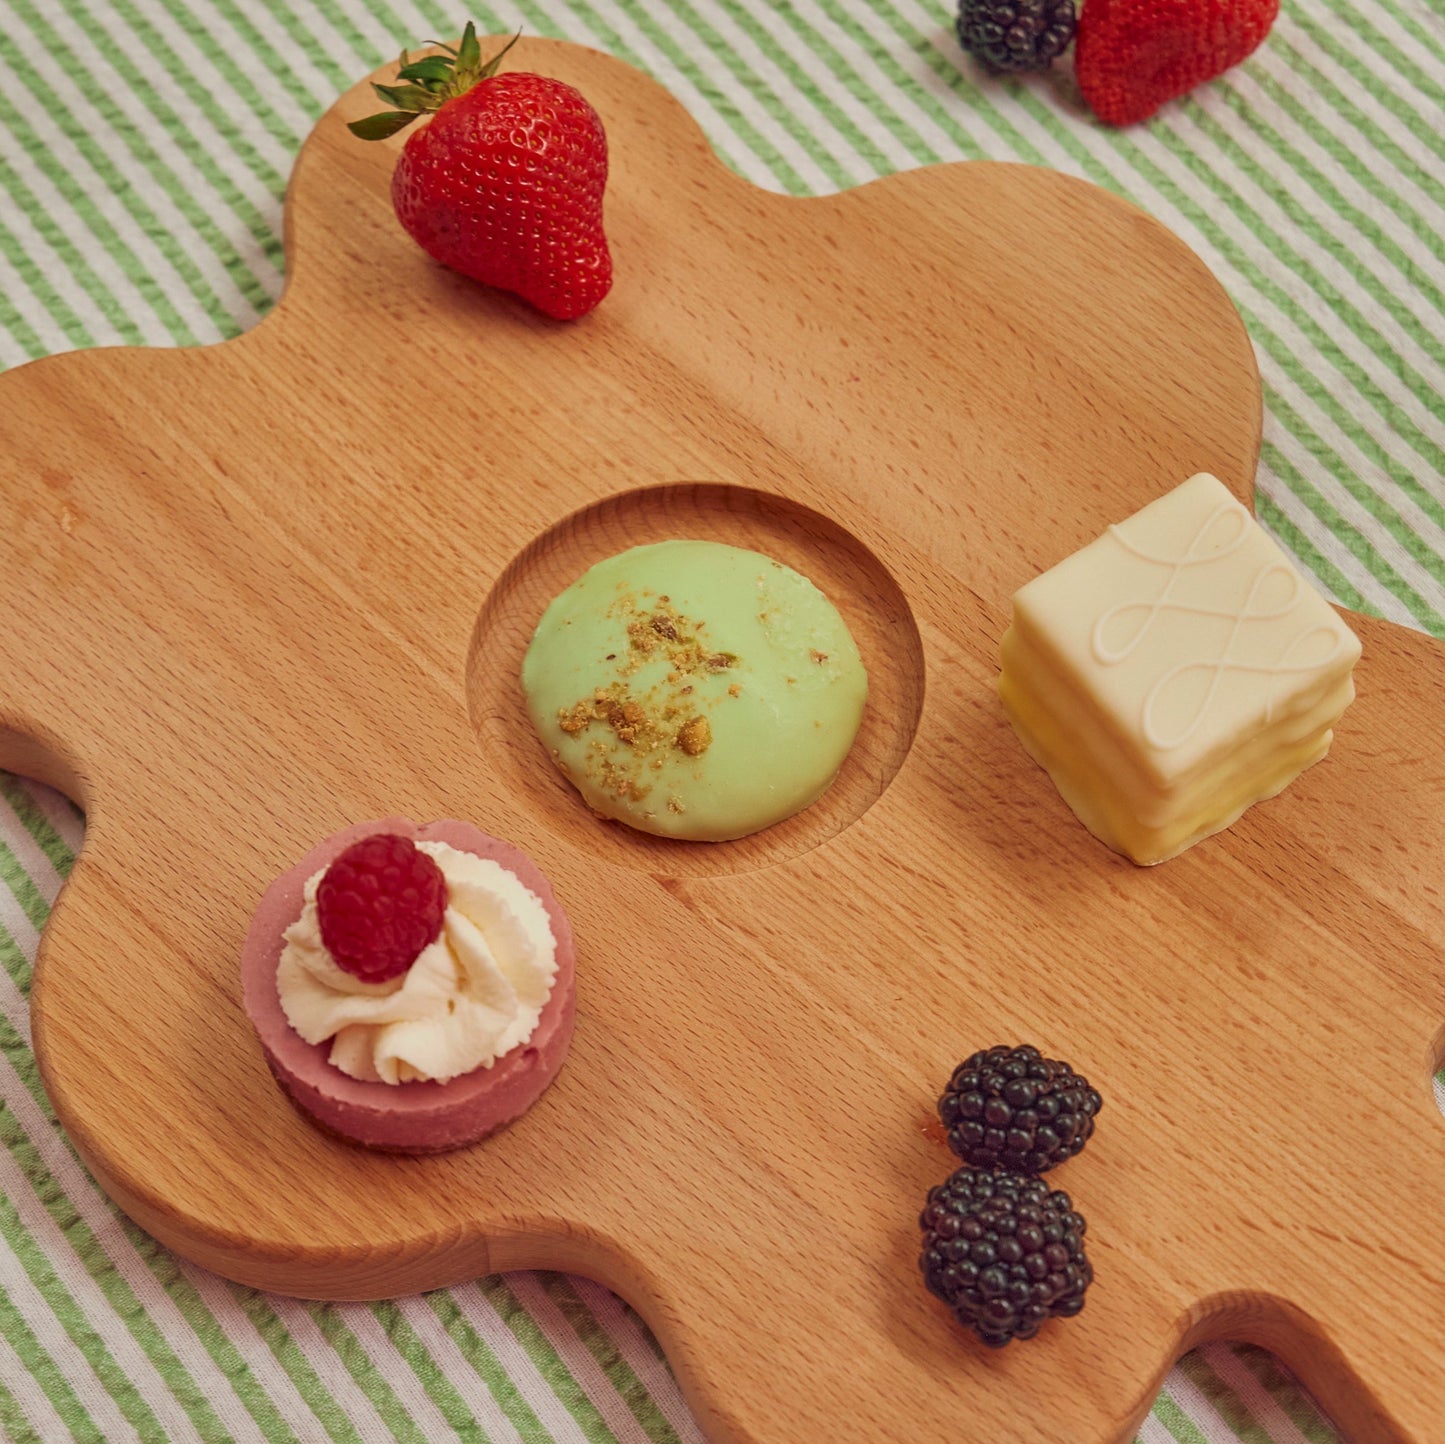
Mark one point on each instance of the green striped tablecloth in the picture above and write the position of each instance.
(144, 148)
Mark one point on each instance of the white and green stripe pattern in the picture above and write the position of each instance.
(144, 147)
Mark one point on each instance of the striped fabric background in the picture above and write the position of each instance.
(144, 149)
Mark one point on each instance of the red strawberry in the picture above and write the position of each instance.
(504, 183)
(379, 904)
(1133, 55)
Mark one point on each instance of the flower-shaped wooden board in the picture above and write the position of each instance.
(257, 591)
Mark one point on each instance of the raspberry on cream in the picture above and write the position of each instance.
(472, 994)
(493, 992)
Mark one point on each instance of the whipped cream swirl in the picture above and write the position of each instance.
(471, 996)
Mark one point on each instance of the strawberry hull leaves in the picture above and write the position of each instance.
(505, 181)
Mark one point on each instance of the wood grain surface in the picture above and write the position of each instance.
(261, 590)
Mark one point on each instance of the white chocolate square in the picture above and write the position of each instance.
(1174, 671)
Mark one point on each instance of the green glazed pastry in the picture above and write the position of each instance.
(695, 690)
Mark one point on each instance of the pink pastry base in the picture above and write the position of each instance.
(405, 1117)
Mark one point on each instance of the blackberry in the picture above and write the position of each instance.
(1014, 1108)
(1004, 1252)
(1012, 35)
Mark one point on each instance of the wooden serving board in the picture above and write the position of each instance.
(262, 590)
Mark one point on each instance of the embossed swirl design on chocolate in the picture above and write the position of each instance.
(1202, 551)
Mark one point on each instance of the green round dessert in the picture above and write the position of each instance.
(695, 690)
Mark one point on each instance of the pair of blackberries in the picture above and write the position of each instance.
(1000, 1248)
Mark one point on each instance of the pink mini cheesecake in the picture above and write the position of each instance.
(414, 1117)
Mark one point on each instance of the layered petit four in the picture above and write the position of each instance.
(695, 690)
(1174, 671)
(412, 987)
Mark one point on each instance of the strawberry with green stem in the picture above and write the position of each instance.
(504, 183)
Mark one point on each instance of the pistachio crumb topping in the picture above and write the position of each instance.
(695, 736)
(647, 723)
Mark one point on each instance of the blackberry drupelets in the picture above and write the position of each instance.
(1004, 1252)
(1013, 1108)
(1013, 35)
